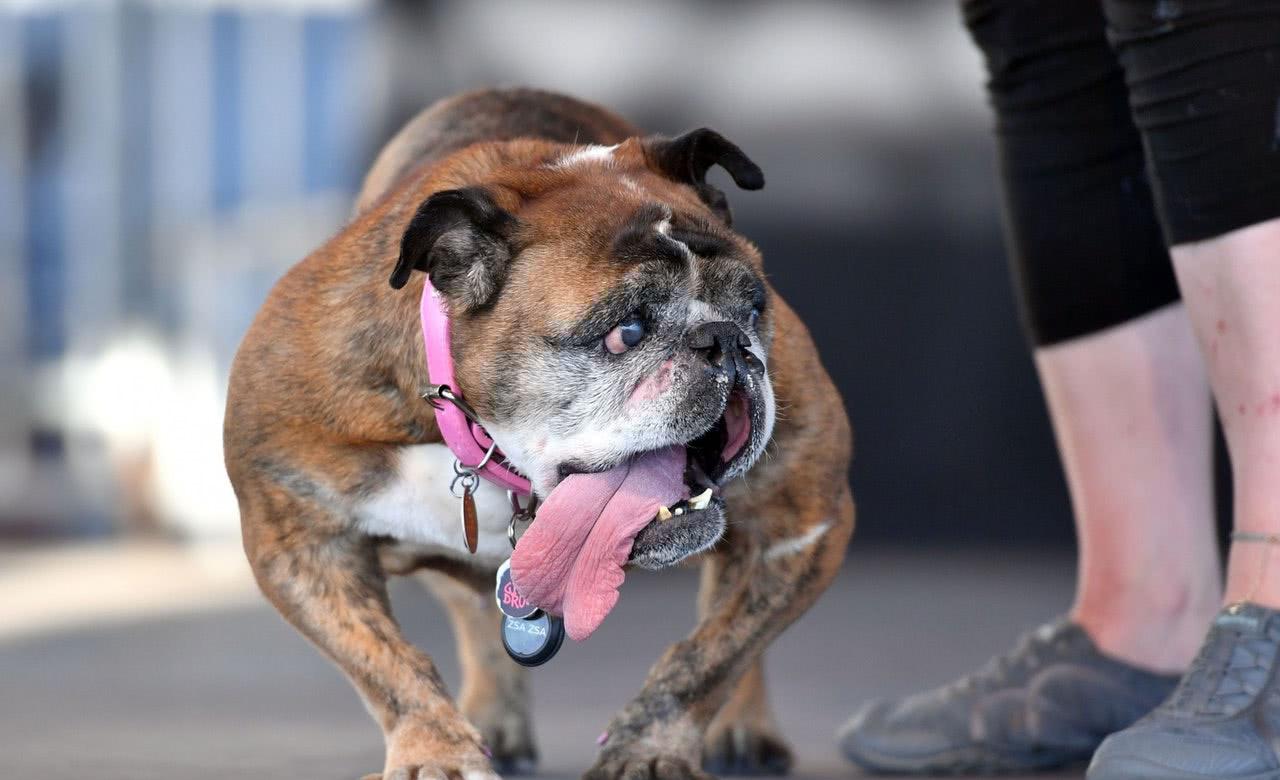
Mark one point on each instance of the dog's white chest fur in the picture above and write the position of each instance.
(417, 508)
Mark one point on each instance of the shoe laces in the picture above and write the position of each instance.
(1230, 670)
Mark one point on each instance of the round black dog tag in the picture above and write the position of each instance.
(509, 601)
(532, 641)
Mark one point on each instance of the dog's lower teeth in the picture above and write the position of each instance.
(698, 502)
(701, 500)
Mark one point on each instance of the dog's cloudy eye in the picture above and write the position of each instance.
(755, 317)
(625, 335)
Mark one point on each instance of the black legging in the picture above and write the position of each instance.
(1101, 102)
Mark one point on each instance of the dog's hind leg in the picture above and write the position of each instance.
(328, 583)
(743, 739)
(495, 690)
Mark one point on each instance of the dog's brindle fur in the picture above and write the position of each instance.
(326, 389)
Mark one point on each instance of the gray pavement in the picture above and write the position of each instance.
(235, 693)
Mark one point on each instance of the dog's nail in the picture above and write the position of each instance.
(701, 500)
(664, 514)
(604, 735)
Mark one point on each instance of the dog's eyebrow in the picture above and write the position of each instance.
(652, 232)
(644, 237)
(701, 243)
(625, 299)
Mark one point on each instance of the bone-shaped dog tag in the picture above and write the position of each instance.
(530, 636)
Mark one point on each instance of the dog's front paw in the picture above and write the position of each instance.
(745, 750)
(448, 750)
(431, 772)
(615, 765)
(637, 747)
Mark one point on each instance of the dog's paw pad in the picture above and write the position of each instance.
(744, 752)
(432, 773)
(644, 768)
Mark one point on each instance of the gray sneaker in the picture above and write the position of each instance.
(1223, 721)
(1047, 703)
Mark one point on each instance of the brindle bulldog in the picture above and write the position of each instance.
(623, 347)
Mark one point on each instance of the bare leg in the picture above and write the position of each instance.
(1220, 723)
(1232, 288)
(1130, 408)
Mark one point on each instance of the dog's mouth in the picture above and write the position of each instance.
(715, 453)
(653, 509)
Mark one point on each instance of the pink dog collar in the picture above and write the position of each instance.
(463, 435)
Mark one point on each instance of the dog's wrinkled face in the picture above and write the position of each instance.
(613, 314)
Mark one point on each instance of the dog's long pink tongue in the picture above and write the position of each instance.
(570, 559)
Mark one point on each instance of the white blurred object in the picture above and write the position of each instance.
(159, 415)
(155, 401)
(187, 154)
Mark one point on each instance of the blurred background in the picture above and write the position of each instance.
(163, 162)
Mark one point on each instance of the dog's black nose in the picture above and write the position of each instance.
(722, 344)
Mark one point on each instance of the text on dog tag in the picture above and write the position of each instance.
(532, 641)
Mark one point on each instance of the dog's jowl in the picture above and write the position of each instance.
(620, 347)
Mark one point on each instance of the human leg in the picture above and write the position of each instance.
(1126, 396)
(1204, 79)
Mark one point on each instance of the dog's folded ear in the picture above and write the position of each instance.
(462, 240)
(688, 157)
